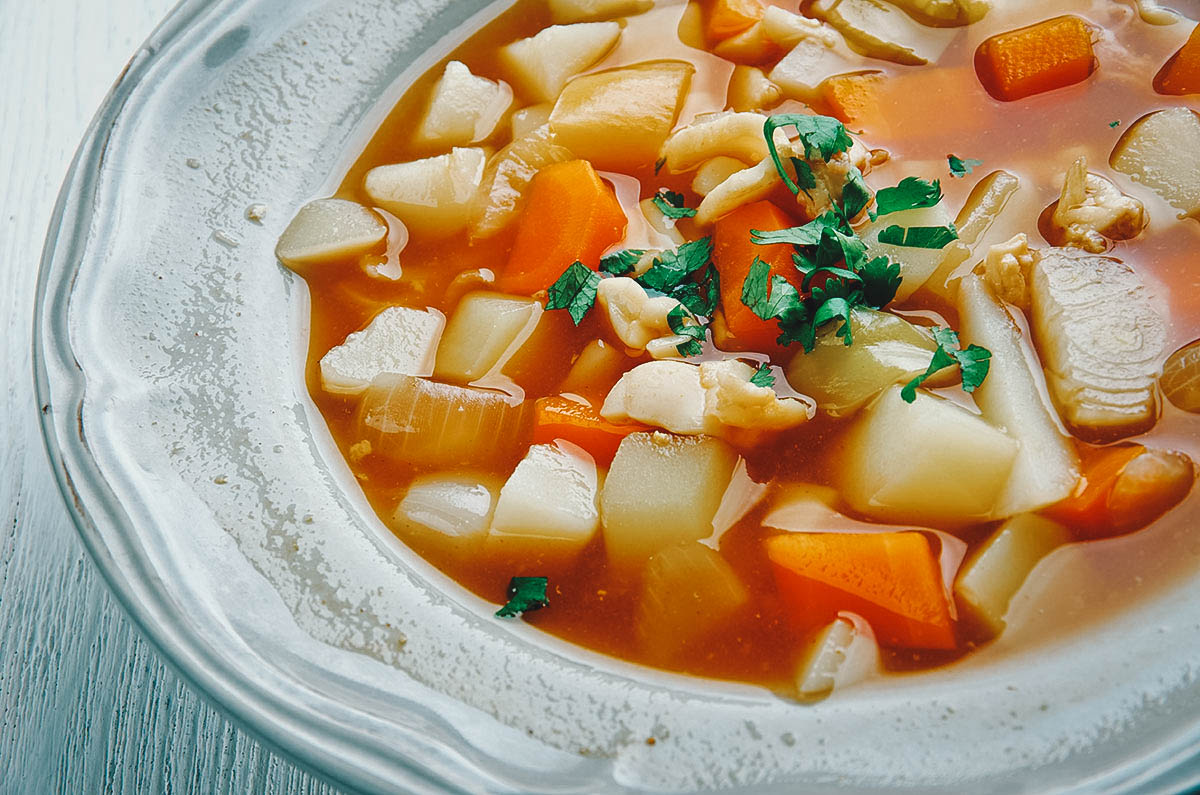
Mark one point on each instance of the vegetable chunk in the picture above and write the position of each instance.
(329, 230)
(880, 30)
(569, 216)
(1162, 151)
(890, 471)
(891, 579)
(433, 196)
(464, 108)
(618, 119)
(484, 331)
(688, 591)
(450, 512)
(397, 340)
(1181, 74)
(1031, 60)
(838, 656)
(541, 64)
(662, 490)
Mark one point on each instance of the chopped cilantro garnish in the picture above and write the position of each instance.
(672, 267)
(807, 235)
(855, 194)
(960, 167)
(670, 204)
(525, 594)
(574, 291)
(622, 262)
(762, 376)
(1115, 124)
(919, 236)
(881, 279)
(805, 178)
(681, 322)
(911, 193)
(822, 137)
(974, 361)
(700, 297)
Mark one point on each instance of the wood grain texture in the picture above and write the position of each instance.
(86, 705)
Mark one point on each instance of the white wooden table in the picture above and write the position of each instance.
(86, 705)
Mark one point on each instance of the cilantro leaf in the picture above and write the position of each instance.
(762, 376)
(805, 178)
(960, 167)
(574, 291)
(525, 594)
(975, 362)
(768, 296)
(681, 322)
(855, 194)
(910, 194)
(1115, 124)
(621, 262)
(700, 297)
(880, 279)
(672, 267)
(919, 236)
(671, 204)
(836, 309)
(821, 136)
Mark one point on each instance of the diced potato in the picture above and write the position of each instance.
(542, 64)
(449, 512)
(1162, 151)
(800, 73)
(410, 420)
(433, 196)
(593, 374)
(712, 173)
(329, 230)
(688, 591)
(1102, 343)
(507, 177)
(890, 471)
(887, 350)
(568, 11)
(398, 340)
(879, 30)
(751, 90)
(838, 656)
(1046, 468)
(659, 222)
(662, 490)
(993, 574)
(526, 120)
(618, 119)
(916, 264)
(484, 331)
(538, 363)
(735, 135)
(548, 507)
(464, 109)
(751, 46)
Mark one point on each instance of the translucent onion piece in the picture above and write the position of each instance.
(450, 511)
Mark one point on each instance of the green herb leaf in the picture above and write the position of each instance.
(934, 237)
(622, 262)
(671, 205)
(574, 291)
(975, 362)
(763, 377)
(525, 594)
(855, 194)
(880, 279)
(681, 322)
(960, 167)
(822, 136)
(805, 178)
(910, 194)
(1115, 124)
(700, 297)
(769, 297)
(672, 267)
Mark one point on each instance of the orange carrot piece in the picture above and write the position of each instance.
(562, 418)
(854, 98)
(570, 215)
(1181, 74)
(1086, 510)
(891, 579)
(734, 253)
(727, 18)
(1051, 54)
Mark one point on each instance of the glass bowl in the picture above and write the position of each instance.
(169, 357)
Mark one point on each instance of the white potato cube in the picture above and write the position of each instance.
(598, 367)
(837, 656)
(464, 109)
(1162, 151)
(1046, 468)
(433, 196)
(799, 74)
(329, 230)
(688, 591)
(991, 577)
(485, 330)
(662, 490)
(927, 462)
(449, 512)
(880, 30)
(525, 120)
(567, 11)
(548, 506)
(398, 340)
(541, 64)
(916, 264)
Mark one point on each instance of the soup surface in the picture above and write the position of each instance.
(771, 343)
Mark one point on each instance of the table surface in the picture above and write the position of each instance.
(86, 704)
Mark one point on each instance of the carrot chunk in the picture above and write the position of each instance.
(728, 18)
(570, 215)
(562, 418)
(1181, 74)
(1051, 54)
(891, 579)
(734, 253)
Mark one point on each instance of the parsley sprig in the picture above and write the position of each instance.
(525, 594)
(960, 167)
(822, 137)
(671, 205)
(910, 194)
(975, 362)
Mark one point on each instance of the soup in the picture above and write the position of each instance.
(766, 343)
